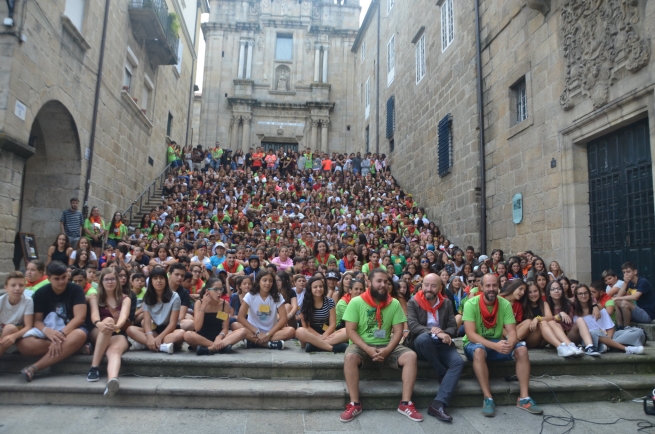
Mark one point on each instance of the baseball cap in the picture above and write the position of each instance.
(332, 275)
(483, 258)
(219, 244)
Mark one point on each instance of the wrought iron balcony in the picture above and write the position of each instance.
(151, 22)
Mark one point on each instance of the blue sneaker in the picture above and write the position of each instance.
(529, 405)
(488, 408)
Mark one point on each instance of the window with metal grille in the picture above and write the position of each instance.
(447, 24)
(420, 59)
(445, 151)
(169, 125)
(391, 116)
(391, 60)
(367, 98)
(367, 137)
(521, 101)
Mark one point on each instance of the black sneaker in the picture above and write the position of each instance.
(202, 351)
(250, 345)
(309, 348)
(276, 345)
(339, 348)
(591, 351)
(93, 375)
(226, 350)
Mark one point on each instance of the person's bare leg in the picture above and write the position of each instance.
(117, 346)
(581, 327)
(71, 345)
(338, 337)
(523, 329)
(175, 337)
(284, 335)
(482, 371)
(611, 343)
(138, 334)
(187, 325)
(102, 343)
(33, 347)
(549, 335)
(558, 331)
(234, 337)
(618, 313)
(8, 329)
(523, 370)
(533, 339)
(194, 339)
(351, 372)
(408, 362)
(305, 336)
(626, 311)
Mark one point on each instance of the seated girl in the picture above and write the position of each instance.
(161, 309)
(211, 320)
(110, 310)
(318, 319)
(266, 321)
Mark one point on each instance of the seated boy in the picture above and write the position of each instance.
(16, 312)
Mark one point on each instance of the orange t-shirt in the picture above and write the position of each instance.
(327, 164)
(257, 159)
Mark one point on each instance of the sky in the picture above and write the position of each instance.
(201, 49)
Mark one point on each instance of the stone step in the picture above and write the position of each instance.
(649, 329)
(293, 363)
(244, 394)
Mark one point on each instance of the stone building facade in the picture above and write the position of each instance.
(279, 73)
(49, 61)
(568, 106)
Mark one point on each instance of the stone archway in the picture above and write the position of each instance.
(53, 175)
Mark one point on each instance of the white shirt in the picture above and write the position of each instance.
(263, 313)
(205, 261)
(618, 283)
(13, 314)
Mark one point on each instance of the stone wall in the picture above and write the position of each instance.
(55, 67)
(448, 87)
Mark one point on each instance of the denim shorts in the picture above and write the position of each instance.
(492, 355)
(641, 316)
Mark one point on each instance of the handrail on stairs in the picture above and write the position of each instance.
(147, 192)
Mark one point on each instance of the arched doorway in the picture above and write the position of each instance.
(53, 175)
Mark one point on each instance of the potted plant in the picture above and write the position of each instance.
(135, 100)
(126, 88)
(174, 23)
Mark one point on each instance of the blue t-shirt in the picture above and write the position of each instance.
(647, 299)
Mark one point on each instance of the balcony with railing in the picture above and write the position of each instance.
(152, 23)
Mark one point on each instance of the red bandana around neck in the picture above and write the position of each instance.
(489, 318)
(324, 260)
(31, 284)
(368, 298)
(346, 298)
(426, 305)
(348, 265)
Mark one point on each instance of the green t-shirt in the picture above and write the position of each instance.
(472, 313)
(122, 232)
(88, 225)
(365, 268)
(170, 154)
(399, 263)
(141, 294)
(358, 311)
(341, 308)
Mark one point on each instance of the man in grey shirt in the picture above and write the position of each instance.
(71, 222)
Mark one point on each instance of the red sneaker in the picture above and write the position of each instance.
(351, 412)
(410, 411)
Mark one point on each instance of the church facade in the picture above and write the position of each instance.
(279, 73)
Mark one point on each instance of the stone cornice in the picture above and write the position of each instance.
(280, 105)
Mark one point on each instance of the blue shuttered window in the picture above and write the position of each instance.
(391, 116)
(445, 145)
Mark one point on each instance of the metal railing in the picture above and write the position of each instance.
(161, 11)
(147, 193)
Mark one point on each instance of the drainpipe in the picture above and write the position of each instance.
(191, 92)
(94, 120)
(377, 89)
(483, 182)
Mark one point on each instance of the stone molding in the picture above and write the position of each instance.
(599, 39)
(542, 6)
(74, 32)
(137, 111)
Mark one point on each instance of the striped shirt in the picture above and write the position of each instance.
(322, 316)
(72, 221)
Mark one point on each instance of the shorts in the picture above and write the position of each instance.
(95, 243)
(492, 355)
(12, 349)
(641, 316)
(390, 361)
(36, 333)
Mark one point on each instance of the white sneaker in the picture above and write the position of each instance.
(602, 348)
(565, 351)
(111, 388)
(166, 348)
(634, 350)
(137, 346)
(578, 351)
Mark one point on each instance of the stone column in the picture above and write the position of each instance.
(324, 135)
(234, 142)
(242, 52)
(317, 61)
(314, 137)
(251, 46)
(245, 142)
(325, 63)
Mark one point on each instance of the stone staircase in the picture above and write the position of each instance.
(271, 379)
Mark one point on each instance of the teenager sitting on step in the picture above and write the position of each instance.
(211, 321)
(161, 309)
(318, 318)
(16, 312)
(267, 316)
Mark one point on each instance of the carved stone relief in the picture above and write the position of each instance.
(260, 43)
(316, 12)
(266, 4)
(282, 78)
(306, 5)
(600, 37)
(285, 9)
(254, 8)
(308, 45)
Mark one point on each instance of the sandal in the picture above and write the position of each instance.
(87, 349)
(29, 373)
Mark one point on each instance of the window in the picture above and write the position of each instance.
(447, 24)
(367, 98)
(367, 137)
(180, 51)
(390, 4)
(520, 100)
(445, 145)
(391, 60)
(391, 117)
(74, 10)
(127, 79)
(363, 51)
(148, 86)
(284, 47)
(420, 59)
(169, 125)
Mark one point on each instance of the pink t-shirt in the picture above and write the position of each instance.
(282, 265)
(270, 160)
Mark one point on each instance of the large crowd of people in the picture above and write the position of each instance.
(271, 246)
